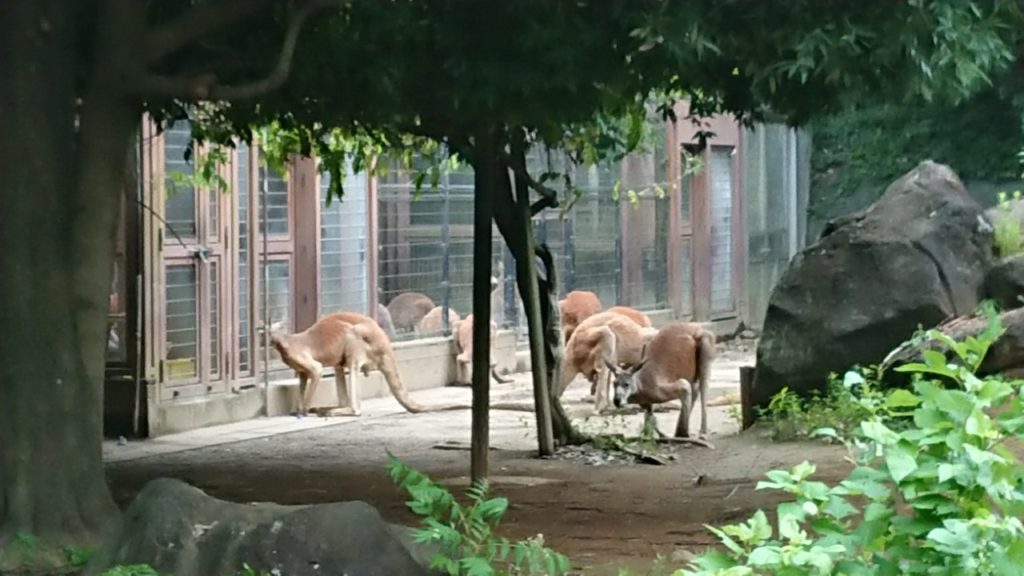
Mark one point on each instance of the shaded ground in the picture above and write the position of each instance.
(601, 516)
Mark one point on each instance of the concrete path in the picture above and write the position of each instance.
(724, 379)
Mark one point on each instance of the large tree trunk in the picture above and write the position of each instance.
(60, 192)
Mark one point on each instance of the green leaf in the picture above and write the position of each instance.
(714, 561)
(900, 460)
(766, 556)
(902, 399)
(980, 425)
(879, 432)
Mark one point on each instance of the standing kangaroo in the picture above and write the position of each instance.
(576, 307)
(342, 340)
(464, 346)
(602, 339)
(678, 357)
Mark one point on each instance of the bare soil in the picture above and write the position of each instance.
(603, 513)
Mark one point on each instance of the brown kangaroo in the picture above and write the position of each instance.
(407, 309)
(676, 364)
(342, 340)
(602, 338)
(577, 306)
(633, 314)
(464, 346)
(433, 322)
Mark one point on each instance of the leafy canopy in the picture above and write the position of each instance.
(582, 76)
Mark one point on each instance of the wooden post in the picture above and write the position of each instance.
(746, 389)
(485, 185)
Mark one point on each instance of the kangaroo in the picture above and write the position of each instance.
(633, 314)
(407, 309)
(637, 316)
(577, 306)
(384, 320)
(602, 339)
(433, 322)
(678, 357)
(464, 347)
(342, 340)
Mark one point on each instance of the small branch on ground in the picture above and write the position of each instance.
(688, 441)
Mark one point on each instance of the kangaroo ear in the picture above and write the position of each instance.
(643, 359)
(611, 366)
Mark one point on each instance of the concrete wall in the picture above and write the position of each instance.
(422, 364)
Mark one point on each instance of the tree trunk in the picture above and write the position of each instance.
(545, 336)
(1005, 356)
(60, 193)
(487, 172)
(527, 270)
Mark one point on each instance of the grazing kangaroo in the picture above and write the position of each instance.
(342, 340)
(602, 339)
(464, 347)
(677, 358)
(407, 309)
(433, 322)
(577, 306)
(633, 314)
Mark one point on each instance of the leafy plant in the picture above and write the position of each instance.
(79, 557)
(942, 497)
(468, 544)
(842, 407)
(1008, 237)
(132, 570)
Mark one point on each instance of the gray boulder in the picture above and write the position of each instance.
(1004, 283)
(917, 256)
(181, 531)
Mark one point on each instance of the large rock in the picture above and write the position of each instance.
(180, 530)
(916, 256)
(1004, 283)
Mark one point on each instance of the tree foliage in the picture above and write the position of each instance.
(583, 76)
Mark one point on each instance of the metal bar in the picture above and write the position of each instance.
(446, 287)
(569, 245)
(264, 192)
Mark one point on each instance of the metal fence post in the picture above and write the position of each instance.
(569, 241)
(446, 291)
(511, 310)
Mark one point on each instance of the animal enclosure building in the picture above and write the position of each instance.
(673, 231)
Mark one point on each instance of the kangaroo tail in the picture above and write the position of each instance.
(497, 377)
(705, 354)
(390, 370)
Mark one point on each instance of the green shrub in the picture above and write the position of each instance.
(466, 535)
(942, 497)
(843, 405)
(1008, 237)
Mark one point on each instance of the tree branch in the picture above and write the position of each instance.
(206, 87)
(549, 196)
(198, 22)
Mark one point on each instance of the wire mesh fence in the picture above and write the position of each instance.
(614, 247)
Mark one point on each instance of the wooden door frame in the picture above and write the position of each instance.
(728, 133)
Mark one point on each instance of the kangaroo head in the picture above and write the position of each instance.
(624, 381)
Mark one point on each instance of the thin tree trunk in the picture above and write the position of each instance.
(487, 171)
(545, 344)
(60, 192)
(526, 269)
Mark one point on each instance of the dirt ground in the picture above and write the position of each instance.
(602, 514)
